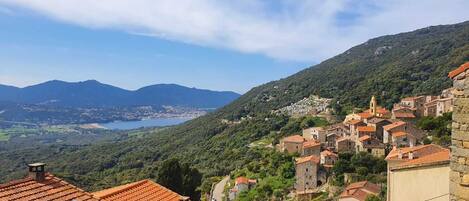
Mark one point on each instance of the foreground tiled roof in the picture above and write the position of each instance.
(458, 70)
(311, 158)
(422, 155)
(364, 138)
(294, 138)
(52, 188)
(354, 121)
(241, 180)
(393, 125)
(365, 115)
(141, 190)
(360, 190)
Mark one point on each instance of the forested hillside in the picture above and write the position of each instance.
(389, 67)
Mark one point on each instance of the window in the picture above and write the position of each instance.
(306, 169)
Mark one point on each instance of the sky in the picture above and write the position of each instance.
(210, 44)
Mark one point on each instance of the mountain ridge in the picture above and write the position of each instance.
(92, 93)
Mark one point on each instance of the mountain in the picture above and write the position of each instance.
(92, 93)
(389, 67)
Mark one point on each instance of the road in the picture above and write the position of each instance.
(219, 187)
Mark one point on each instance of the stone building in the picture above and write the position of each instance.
(306, 176)
(459, 176)
(291, 144)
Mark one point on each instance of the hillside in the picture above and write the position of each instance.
(389, 67)
(92, 93)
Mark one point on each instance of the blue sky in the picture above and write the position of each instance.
(219, 45)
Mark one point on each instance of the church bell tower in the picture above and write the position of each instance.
(373, 106)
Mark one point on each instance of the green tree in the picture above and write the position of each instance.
(182, 179)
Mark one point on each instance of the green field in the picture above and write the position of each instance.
(4, 136)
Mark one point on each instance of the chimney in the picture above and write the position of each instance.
(37, 172)
(411, 155)
(399, 154)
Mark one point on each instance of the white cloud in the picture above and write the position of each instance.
(305, 30)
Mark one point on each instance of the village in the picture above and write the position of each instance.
(389, 134)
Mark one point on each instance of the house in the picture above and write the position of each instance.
(416, 103)
(345, 144)
(371, 145)
(418, 173)
(311, 147)
(430, 108)
(328, 159)
(241, 184)
(444, 105)
(144, 190)
(292, 144)
(378, 123)
(353, 125)
(402, 138)
(366, 130)
(306, 176)
(394, 127)
(331, 139)
(404, 114)
(359, 191)
(41, 185)
(315, 133)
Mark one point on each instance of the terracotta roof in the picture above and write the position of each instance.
(399, 134)
(49, 189)
(366, 129)
(365, 115)
(311, 143)
(328, 153)
(364, 138)
(140, 190)
(412, 98)
(379, 110)
(354, 121)
(422, 155)
(294, 138)
(311, 158)
(458, 70)
(376, 120)
(393, 125)
(360, 190)
(404, 115)
(241, 180)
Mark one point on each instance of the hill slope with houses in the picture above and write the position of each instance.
(388, 67)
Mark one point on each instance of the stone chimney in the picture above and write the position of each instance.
(37, 171)
(411, 155)
(459, 175)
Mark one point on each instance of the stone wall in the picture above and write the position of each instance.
(459, 175)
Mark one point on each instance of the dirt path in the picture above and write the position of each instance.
(219, 187)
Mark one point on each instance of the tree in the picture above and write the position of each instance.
(182, 179)
(373, 198)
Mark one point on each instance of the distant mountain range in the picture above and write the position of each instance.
(92, 93)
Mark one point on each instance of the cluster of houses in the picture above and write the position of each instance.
(41, 185)
(378, 131)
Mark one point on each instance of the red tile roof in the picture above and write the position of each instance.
(364, 138)
(354, 121)
(52, 188)
(141, 190)
(311, 143)
(241, 180)
(360, 190)
(366, 129)
(393, 125)
(311, 158)
(365, 115)
(328, 153)
(294, 138)
(458, 70)
(422, 155)
(404, 115)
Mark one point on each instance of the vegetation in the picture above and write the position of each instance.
(438, 127)
(182, 179)
(361, 166)
(411, 64)
(275, 174)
